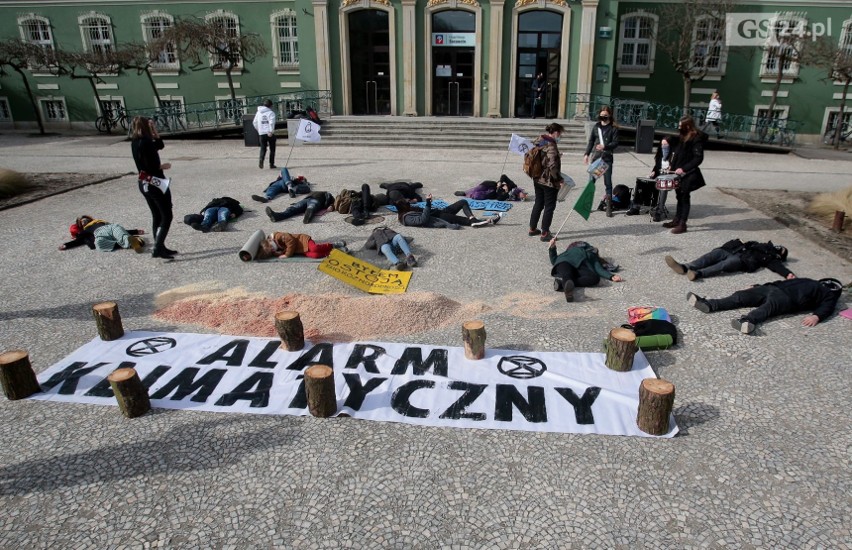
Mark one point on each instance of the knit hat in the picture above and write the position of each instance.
(75, 230)
(833, 285)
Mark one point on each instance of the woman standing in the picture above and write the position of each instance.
(547, 185)
(145, 146)
(687, 153)
(714, 114)
(604, 140)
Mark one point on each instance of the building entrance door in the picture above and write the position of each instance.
(453, 62)
(369, 62)
(539, 53)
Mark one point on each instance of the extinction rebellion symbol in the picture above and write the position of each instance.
(521, 367)
(523, 148)
(150, 346)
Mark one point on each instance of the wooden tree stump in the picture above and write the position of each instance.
(108, 321)
(290, 329)
(17, 376)
(656, 399)
(620, 349)
(837, 224)
(473, 335)
(319, 389)
(131, 395)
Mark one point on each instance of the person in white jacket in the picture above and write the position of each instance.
(714, 114)
(264, 123)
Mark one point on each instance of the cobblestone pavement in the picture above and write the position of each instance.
(762, 460)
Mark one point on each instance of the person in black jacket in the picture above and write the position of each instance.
(102, 235)
(776, 298)
(318, 200)
(687, 153)
(734, 256)
(402, 190)
(145, 147)
(216, 215)
(605, 127)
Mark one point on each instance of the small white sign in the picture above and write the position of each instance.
(381, 74)
(443, 70)
(454, 39)
(459, 74)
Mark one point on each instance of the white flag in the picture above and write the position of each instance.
(520, 145)
(308, 131)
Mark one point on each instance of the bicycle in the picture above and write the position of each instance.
(112, 119)
(845, 132)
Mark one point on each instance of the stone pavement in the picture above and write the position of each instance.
(762, 459)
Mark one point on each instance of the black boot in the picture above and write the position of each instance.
(309, 215)
(558, 284)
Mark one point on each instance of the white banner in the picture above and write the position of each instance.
(308, 131)
(520, 145)
(411, 383)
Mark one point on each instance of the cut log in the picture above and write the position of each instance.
(290, 329)
(17, 376)
(473, 335)
(131, 394)
(620, 349)
(319, 390)
(837, 225)
(108, 321)
(656, 399)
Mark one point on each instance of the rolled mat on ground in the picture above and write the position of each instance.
(249, 251)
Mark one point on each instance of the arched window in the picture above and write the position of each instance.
(153, 27)
(229, 24)
(783, 44)
(96, 30)
(36, 30)
(636, 43)
(708, 44)
(285, 39)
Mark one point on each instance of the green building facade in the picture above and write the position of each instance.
(475, 58)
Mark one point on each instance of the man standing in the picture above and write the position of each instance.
(536, 93)
(264, 123)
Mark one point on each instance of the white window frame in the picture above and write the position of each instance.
(5, 112)
(651, 42)
(784, 113)
(222, 14)
(829, 111)
(47, 44)
(101, 44)
(220, 98)
(792, 72)
(181, 119)
(169, 68)
(109, 98)
(723, 48)
(845, 40)
(282, 66)
(42, 101)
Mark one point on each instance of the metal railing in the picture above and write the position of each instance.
(733, 127)
(228, 113)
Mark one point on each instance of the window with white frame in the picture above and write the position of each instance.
(5, 111)
(782, 46)
(229, 109)
(230, 27)
(832, 116)
(97, 33)
(708, 44)
(54, 110)
(170, 115)
(111, 106)
(845, 44)
(153, 27)
(285, 39)
(36, 30)
(636, 44)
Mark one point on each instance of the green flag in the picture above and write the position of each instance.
(583, 206)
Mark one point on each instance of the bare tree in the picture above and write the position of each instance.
(21, 56)
(692, 34)
(836, 58)
(141, 57)
(93, 66)
(215, 42)
(785, 49)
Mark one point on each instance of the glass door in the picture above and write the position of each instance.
(369, 62)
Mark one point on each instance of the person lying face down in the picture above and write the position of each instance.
(579, 265)
(287, 245)
(102, 235)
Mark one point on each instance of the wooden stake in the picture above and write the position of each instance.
(620, 349)
(17, 376)
(108, 321)
(319, 389)
(290, 329)
(131, 395)
(839, 216)
(656, 399)
(473, 335)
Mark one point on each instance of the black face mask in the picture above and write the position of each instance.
(603, 118)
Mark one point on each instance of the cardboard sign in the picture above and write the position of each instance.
(363, 275)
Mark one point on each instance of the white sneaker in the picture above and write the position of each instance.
(481, 223)
(495, 218)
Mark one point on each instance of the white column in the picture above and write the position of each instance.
(587, 46)
(495, 61)
(409, 58)
(322, 41)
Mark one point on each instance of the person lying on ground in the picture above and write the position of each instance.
(735, 256)
(402, 190)
(774, 299)
(390, 243)
(287, 245)
(216, 215)
(310, 205)
(504, 190)
(414, 216)
(102, 235)
(284, 184)
(579, 265)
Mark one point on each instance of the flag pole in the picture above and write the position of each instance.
(563, 224)
(505, 160)
(292, 144)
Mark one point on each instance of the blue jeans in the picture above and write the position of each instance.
(298, 208)
(398, 244)
(279, 186)
(215, 214)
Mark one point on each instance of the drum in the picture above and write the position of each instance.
(667, 182)
(645, 193)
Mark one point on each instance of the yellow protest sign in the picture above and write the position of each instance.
(363, 275)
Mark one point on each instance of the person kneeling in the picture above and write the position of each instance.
(287, 245)
(578, 266)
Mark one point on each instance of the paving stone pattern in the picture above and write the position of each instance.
(762, 460)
